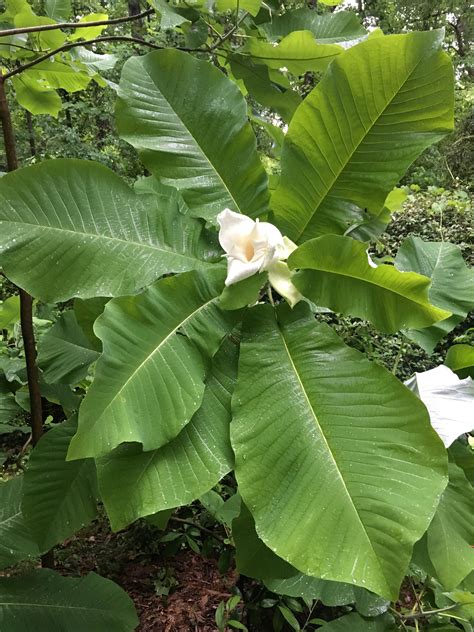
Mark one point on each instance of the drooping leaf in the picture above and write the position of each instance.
(298, 52)
(329, 28)
(379, 105)
(452, 283)
(89, 32)
(87, 312)
(59, 496)
(300, 585)
(35, 97)
(451, 532)
(353, 622)
(463, 456)
(335, 272)
(243, 293)
(64, 352)
(93, 61)
(258, 83)
(448, 399)
(169, 17)
(460, 359)
(253, 557)
(189, 125)
(374, 225)
(54, 74)
(9, 311)
(252, 6)
(44, 600)
(8, 406)
(149, 380)
(16, 539)
(340, 454)
(59, 10)
(135, 483)
(73, 228)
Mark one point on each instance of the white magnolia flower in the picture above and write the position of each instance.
(252, 247)
(449, 400)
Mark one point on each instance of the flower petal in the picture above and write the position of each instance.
(279, 276)
(449, 400)
(235, 230)
(238, 270)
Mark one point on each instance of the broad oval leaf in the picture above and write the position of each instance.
(74, 228)
(189, 123)
(451, 532)
(379, 105)
(298, 52)
(16, 539)
(134, 484)
(452, 283)
(335, 272)
(44, 600)
(341, 455)
(328, 28)
(149, 380)
(460, 359)
(59, 496)
(64, 352)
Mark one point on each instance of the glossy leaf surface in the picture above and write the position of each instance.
(73, 228)
(452, 283)
(149, 380)
(377, 108)
(314, 461)
(59, 496)
(336, 272)
(44, 600)
(135, 483)
(189, 123)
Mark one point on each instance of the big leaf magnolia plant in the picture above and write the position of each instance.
(211, 358)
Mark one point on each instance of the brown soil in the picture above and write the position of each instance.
(191, 606)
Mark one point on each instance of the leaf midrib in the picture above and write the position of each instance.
(383, 287)
(201, 151)
(78, 233)
(157, 349)
(355, 149)
(313, 413)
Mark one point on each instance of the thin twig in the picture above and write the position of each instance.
(229, 33)
(74, 25)
(203, 529)
(105, 38)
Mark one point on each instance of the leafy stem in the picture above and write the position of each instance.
(74, 25)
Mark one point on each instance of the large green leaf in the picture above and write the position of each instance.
(58, 9)
(149, 380)
(35, 97)
(452, 283)
(188, 122)
(298, 52)
(58, 75)
(73, 228)
(64, 352)
(328, 28)
(460, 359)
(335, 272)
(451, 533)
(340, 467)
(133, 483)
(42, 600)
(353, 622)
(59, 496)
(16, 539)
(258, 82)
(8, 406)
(379, 105)
(253, 558)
